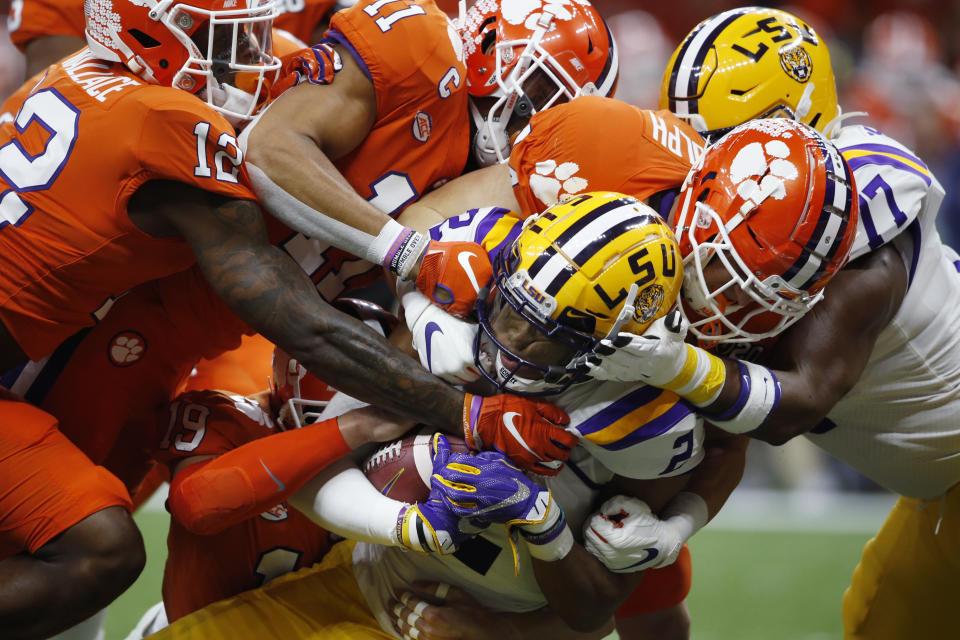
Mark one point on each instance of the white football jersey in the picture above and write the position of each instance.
(635, 430)
(900, 424)
(628, 429)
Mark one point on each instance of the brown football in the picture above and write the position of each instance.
(401, 469)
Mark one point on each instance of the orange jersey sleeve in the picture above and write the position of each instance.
(83, 141)
(595, 143)
(205, 423)
(31, 19)
(203, 569)
(300, 18)
(421, 135)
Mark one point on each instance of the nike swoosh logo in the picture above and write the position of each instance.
(464, 259)
(518, 496)
(512, 430)
(651, 553)
(432, 327)
(280, 485)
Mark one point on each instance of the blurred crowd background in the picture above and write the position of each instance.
(897, 60)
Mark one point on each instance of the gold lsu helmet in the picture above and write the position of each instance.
(749, 63)
(585, 269)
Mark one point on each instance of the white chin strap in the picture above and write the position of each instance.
(230, 101)
(518, 383)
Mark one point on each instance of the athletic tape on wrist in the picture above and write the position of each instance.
(412, 532)
(550, 540)
(741, 399)
(701, 378)
(398, 248)
(762, 398)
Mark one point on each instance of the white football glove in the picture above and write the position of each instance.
(626, 537)
(655, 358)
(444, 343)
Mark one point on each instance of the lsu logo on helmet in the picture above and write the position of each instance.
(576, 263)
(587, 268)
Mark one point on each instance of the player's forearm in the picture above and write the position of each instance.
(269, 292)
(581, 590)
(720, 471)
(296, 165)
(342, 501)
(211, 496)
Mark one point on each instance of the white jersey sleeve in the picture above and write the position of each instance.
(895, 187)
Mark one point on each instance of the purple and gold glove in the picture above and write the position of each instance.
(487, 488)
(434, 525)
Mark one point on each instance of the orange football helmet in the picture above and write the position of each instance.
(297, 397)
(220, 50)
(529, 56)
(766, 218)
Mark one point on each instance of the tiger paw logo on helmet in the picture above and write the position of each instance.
(553, 183)
(528, 12)
(770, 160)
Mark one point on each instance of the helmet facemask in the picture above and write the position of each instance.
(526, 83)
(514, 75)
(290, 399)
(500, 364)
(230, 57)
(719, 317)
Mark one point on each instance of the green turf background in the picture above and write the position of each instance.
(746, 586)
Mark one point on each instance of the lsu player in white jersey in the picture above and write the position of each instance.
(872, 375)
(546, 309)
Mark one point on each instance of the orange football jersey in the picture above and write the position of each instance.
(300, 18)
(595, 144)
(83, 141)
(31, 19)
(204, 569)
(421, 135)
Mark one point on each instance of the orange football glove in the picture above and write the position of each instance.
(527, 431)
(317, 65)
(452, 273)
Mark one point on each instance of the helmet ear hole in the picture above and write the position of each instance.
(489, 38)
(145, 40)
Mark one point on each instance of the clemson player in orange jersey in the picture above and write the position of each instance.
(594, 143)
(48, 30)
(111, 178)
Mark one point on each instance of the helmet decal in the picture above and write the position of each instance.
(797, 63)
(583, 270)
(746, 63)
(766, 218)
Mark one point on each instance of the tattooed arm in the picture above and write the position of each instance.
(263, 286)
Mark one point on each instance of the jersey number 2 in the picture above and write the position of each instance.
(25, 172)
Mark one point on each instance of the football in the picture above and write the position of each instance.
(401, 469)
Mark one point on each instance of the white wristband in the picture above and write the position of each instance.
(551, 539)
(397, 248)
(759, 397)
(687, 513)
